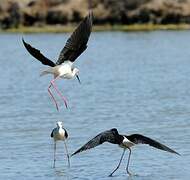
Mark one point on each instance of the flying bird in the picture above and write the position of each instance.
(64, 68)
(124, 141)
(60, 134)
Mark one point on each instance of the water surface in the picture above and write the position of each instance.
(136, 82)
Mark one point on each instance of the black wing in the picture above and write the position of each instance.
(52, 132)
(106, 136)
(66, 133)
(77, 43)
(38, 55)
(140, 139)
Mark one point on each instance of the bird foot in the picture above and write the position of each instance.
(111, 175)
(130, 174)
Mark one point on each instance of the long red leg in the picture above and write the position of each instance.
(55, 87)
(53, 97)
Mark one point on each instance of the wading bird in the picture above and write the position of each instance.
(63, 68)
(125, 142)
(60, 134)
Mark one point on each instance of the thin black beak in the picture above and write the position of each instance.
(78, 79)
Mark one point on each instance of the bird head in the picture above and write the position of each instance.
(59, 124)
(76, 72)
(114, 130)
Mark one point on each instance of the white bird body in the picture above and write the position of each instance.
(126, 143)
(59, 134)
(64, 71)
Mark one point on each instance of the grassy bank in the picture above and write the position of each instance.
(70, 28)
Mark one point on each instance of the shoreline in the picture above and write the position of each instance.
(96, 28)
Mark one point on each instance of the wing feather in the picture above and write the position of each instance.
(77, 42)
(106, 136)
(140, 139)
(38, 55)
(52, 132)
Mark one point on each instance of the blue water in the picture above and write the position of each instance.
(136, 82)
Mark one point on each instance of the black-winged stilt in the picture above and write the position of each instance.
(60, 134)
(63, 68)
(125, 142)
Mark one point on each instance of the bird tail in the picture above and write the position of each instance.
(46, 71)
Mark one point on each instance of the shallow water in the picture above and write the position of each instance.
(136, 82)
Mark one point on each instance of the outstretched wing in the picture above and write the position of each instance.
(77, 43)
(106, 136)
(140, 139)
(37, 54)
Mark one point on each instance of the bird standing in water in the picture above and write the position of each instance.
(124, 141)
(63, 68)
(60, 134)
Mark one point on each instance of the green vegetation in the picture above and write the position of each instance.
(70, 28)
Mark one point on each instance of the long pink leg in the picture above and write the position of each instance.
(53, 97)
(55, 87)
